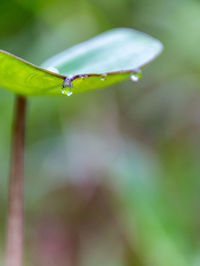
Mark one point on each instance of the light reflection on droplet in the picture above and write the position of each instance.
(69, 93)
(134, 77)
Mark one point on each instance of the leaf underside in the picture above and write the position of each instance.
(104, 60)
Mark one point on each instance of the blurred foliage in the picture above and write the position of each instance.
(128, 155)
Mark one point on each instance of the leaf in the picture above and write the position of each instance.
(104, 60)
(26, 79)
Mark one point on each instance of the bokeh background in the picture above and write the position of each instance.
(113, 175)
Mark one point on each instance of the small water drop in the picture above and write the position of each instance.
(103, 76)
(67, 84)
(81, 76)
(53, 69)
(134, 77)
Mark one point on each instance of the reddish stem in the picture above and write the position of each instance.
(14, 248)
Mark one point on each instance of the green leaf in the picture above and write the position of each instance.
(104, 60)
(26, 79)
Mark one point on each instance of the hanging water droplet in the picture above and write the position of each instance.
(67, 84)
(53, 69)
(103, 76)
(134, 77)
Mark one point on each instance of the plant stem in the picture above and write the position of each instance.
(14, 248)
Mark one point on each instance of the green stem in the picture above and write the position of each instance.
(14, 248)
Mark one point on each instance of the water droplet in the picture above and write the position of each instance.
(81, 76)
(53, 69)
(103, 76)
(135, 77)
(67, 84)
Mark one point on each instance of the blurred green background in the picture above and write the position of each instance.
(112, 176)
